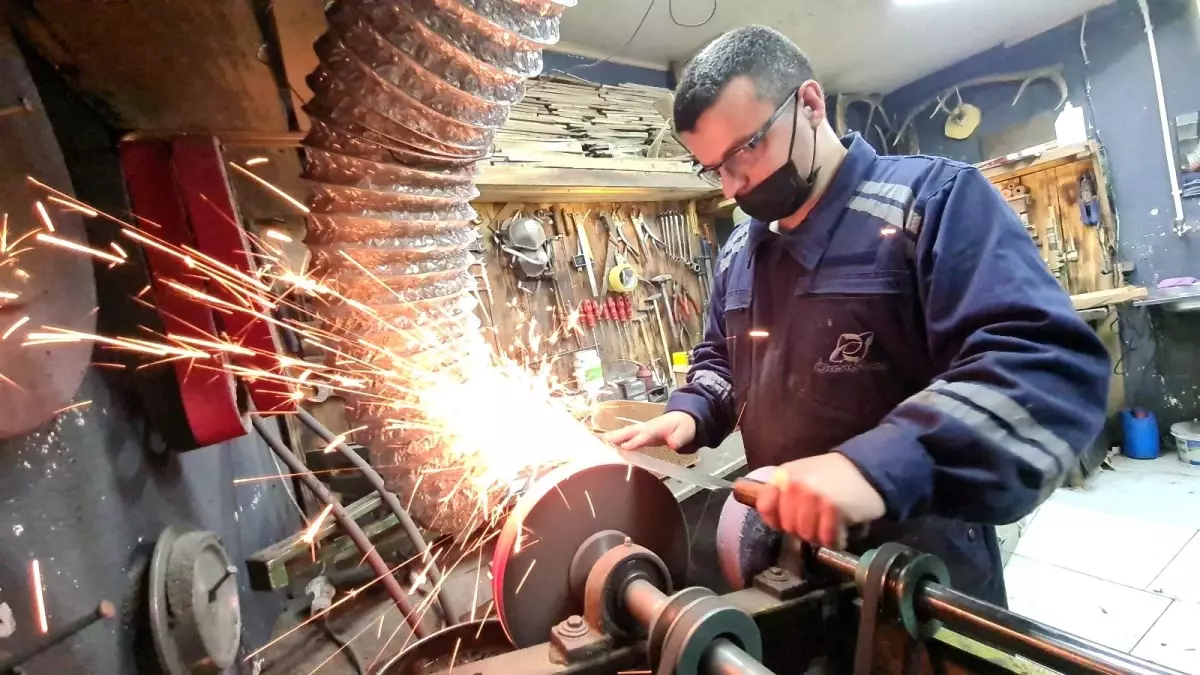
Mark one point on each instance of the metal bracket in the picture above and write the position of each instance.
(780, 584)
(573, 641)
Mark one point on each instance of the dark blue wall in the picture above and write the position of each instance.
(606, 72)
(1162, 349)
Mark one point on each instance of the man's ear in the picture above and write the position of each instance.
(812, 97)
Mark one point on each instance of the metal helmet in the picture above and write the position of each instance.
(526, 233)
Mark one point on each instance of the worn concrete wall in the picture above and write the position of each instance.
(1115, 86)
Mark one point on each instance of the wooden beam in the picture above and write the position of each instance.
(516, 183)
(174, 65)
(998, 173)
(1114, 296)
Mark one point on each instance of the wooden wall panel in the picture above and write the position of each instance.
(1072, 250)
(512, 309)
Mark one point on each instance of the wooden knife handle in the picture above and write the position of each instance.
(745, 491)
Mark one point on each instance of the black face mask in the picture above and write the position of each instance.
(783, 192)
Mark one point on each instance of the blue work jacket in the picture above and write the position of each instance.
(910, 324)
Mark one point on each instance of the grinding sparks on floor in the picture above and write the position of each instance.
(73, 406)
(39, 600)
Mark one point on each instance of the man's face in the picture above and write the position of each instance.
(735, 118)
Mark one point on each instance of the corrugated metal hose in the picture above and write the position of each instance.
(407, 98)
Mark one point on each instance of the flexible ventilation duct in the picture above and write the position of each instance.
(408, 96)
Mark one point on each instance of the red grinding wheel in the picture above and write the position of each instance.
(530, 577)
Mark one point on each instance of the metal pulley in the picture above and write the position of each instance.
(195, 618)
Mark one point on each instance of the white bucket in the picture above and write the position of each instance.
(1187, 441)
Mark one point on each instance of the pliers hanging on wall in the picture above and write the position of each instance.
(645, 234)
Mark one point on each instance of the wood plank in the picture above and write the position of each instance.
(583, 181)
(1112, 296)
(1022, 167)
(563, 160)
(194, 66)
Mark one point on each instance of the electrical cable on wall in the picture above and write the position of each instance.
(671, 10)
(636, 31)
(572, 69)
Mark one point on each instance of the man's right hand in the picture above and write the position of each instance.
(674, 429)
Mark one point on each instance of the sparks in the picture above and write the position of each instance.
(44, 215)
(310, 535)
(68, 244)
(39, 600)
(454, 655)
(74, 206)
(255, 161)
(757, 333)
(286, 197)
(339, 439)
(277, 236)
(73, 406)
(522, 584)
(13, 328)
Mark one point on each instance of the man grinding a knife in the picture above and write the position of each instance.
(882, 330)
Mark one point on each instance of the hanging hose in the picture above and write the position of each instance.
(350, 527)
(390, 500)
(407, 97)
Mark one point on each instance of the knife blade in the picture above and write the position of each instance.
(745, 490)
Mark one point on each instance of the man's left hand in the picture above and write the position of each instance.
(818, 498)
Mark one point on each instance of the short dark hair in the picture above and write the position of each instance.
(773, 62)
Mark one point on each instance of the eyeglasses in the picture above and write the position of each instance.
(736, 155)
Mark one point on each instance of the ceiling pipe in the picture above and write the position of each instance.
(408, 96)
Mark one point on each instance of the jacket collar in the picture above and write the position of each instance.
(808, 241)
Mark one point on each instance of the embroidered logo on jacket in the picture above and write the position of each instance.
(850, 355)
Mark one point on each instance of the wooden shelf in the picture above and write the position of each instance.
(524, 183)
(1115, 296)
(1002, 169)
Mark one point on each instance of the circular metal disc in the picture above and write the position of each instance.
(160, 618)
(532, 563)
(186, 562)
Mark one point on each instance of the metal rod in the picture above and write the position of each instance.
(1048, 646)
(350, 527)
(644, 601)
(994, 625)
(393, 504)
(725, 658)
(104, 610)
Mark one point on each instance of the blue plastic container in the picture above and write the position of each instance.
(1141, 434)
